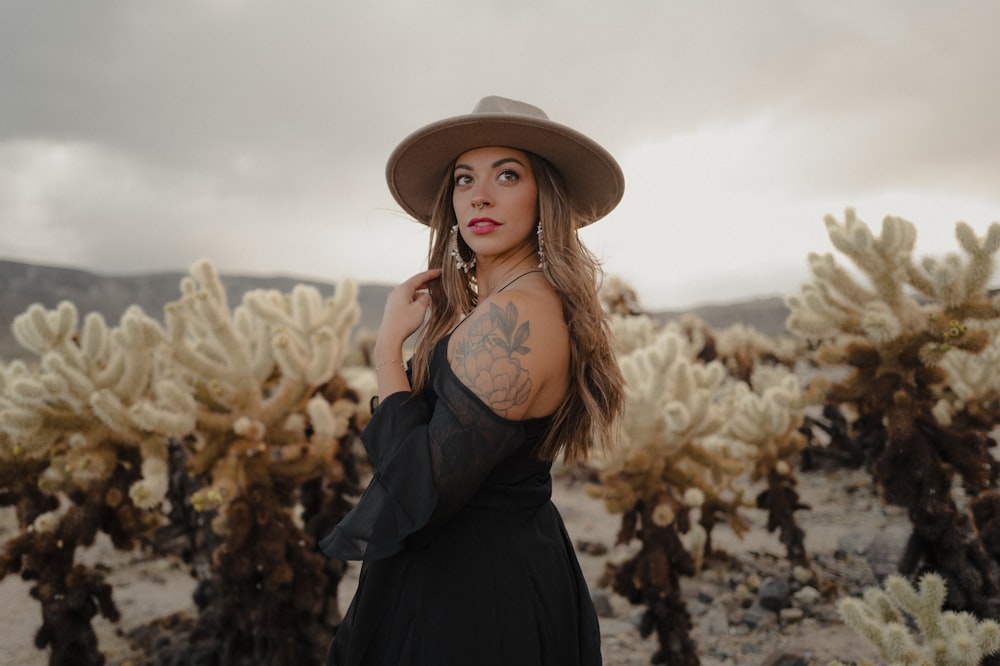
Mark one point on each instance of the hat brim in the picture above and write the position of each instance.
(417, 167)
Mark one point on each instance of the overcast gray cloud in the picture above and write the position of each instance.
(141, 136)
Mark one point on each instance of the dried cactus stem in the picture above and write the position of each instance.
(912, 472)
(68, 606)
(781, 501)
(324, 504)
(652, 579)
(265, 600)
(913, 460)
(70, 596)
(985, 510)
(843, 449)
(19, 481)
(266, 594)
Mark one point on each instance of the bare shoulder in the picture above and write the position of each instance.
(514, 353)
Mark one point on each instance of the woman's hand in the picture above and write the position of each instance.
(405, 309)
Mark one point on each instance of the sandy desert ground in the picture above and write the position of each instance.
(851, 537)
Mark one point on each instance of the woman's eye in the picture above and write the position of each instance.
(462, 179)
(507, 175)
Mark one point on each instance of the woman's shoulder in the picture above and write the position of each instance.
(529, 303)
(513, 352)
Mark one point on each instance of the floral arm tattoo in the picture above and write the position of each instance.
(486, 360)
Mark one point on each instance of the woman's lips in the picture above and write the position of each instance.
(483, 225)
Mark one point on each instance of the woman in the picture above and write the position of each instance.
(466, 560)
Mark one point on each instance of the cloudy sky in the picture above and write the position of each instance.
(140, 136)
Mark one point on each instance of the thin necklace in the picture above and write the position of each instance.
(507, 284)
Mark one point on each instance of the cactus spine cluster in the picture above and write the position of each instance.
(946, 638)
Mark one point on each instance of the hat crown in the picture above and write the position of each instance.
(495, 104)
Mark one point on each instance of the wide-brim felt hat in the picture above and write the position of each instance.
(417, 167)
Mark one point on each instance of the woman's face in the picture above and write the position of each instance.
(495, 199)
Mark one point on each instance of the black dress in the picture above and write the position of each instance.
(466, 559)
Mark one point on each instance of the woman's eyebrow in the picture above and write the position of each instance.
(504, 160)
(496, 164)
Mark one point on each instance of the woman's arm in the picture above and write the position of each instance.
(427, 462)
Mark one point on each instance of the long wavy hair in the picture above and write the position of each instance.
(589, 415)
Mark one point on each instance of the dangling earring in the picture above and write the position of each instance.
(541, 246)
(459, 262)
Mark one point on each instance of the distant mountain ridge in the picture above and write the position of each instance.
(23, 284)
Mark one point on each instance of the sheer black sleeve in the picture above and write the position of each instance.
(429, 458)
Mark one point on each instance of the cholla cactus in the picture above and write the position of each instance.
(19, 473)
(671, 413)
(740, 427)
(619, 297)
(251, 369)
(743, 348)
(886, 310)
(74, 427)
(946, 638)
(662, 470)
(893, 332)
(94, 393)
(270, 418)
(765, 417)
(249, 402)
(633, 332)
(740, 348)
(691, 430)
(669, 471)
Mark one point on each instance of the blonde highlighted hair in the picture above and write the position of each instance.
(589, 415)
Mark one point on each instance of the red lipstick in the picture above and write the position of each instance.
(483, 225)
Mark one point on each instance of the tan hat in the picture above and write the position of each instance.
(417, 166)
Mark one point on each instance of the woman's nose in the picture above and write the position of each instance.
(480, 198)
